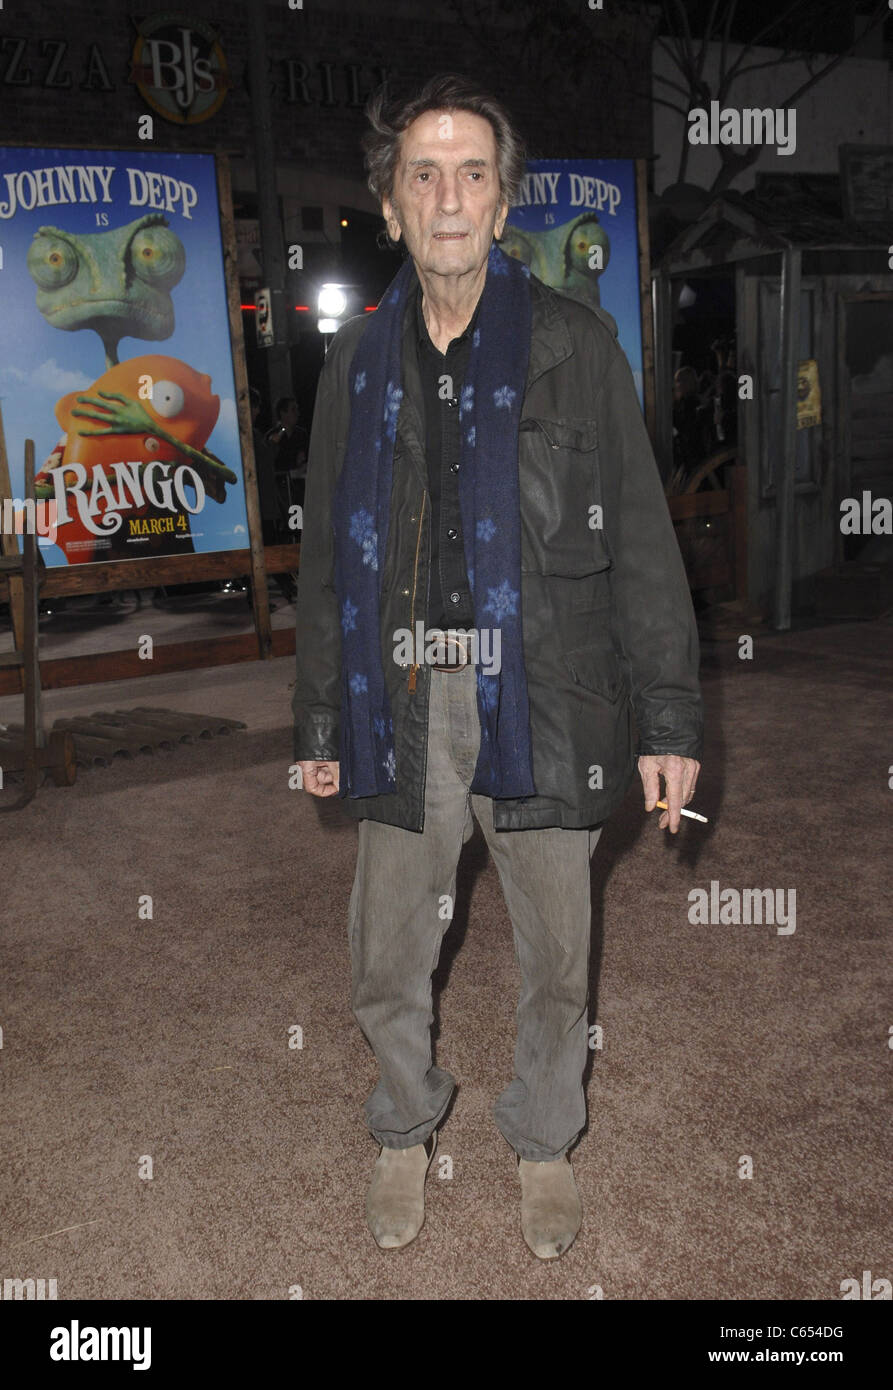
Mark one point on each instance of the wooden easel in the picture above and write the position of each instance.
(9, 549)
(35, 751)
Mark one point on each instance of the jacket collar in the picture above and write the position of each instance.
(550, 343)
(550, 336)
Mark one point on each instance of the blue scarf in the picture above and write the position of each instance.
(489, 499)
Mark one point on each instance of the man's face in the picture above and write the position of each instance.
(446, 199)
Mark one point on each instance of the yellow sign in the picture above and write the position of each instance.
(178, 67)
(809, 397)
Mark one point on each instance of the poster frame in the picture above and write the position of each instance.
(256, 561)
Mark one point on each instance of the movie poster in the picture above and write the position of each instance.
(575, 226)
(115, 353)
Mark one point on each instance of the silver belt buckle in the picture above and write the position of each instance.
(451, 644)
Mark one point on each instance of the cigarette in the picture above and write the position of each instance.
(692, 815)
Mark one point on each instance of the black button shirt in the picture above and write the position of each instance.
(449, 597)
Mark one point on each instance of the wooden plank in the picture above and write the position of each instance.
(785, 492)
(283, 559)
(31, 666)
(842, 415)
(108, 576)
(747, 335)
(12, 587)
(63, 672)
(688, 504)
(739, 529)
(249, 470)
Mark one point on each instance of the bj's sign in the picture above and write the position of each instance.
(178, 66)
(176, 63)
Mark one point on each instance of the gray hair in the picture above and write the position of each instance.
(446, 92)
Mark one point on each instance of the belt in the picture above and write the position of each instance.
(450, 643)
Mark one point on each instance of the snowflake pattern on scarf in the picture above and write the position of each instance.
(362, 531)
(502, 601)
(393, 397)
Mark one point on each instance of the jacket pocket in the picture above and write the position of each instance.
(562, 522)
(596, 667)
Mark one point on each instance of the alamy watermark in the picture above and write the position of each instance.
(749, 126)
(476, 646)
(29, 518)
(29, 1290)
(734, 907)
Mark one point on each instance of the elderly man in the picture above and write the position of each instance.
(490, 595)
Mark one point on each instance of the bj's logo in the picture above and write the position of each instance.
(178, 67)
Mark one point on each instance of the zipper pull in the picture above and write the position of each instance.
(412, 678)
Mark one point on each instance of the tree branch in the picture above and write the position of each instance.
(755, 41)
(727, 29)
(772, 63)
(679, 56)
(707, 39)
(687, 39)
(674, 57)
(880, 14)
(680, 110)
(685, 91)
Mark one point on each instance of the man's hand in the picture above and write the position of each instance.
(320, 779)
(680, 777)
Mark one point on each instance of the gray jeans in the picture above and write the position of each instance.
(396, 928)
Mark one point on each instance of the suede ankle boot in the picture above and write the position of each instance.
(551, 1213)
(395, 1204)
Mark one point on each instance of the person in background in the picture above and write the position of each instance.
(289, 440)
(691, 428)
(725, 394)
(271, 510)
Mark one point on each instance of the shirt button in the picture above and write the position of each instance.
(452, 533)
(454, 468)
(453, 401)
(455, 598)
(406, 593)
